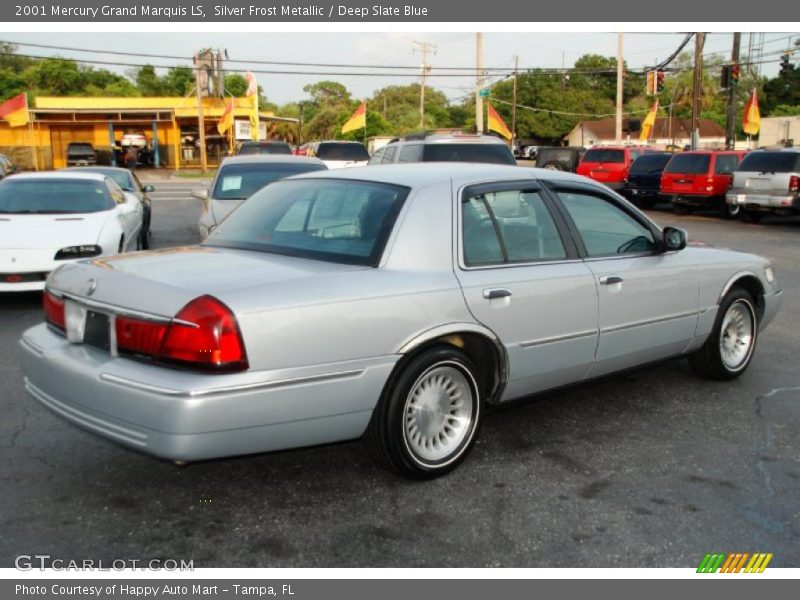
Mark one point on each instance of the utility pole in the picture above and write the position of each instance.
(697, 87)
(730, 124)
(201, 122)
(514, 106)
(423, 48)
(478, 82)
(620, 75)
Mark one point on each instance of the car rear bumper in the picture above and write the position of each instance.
(193, 416)
(764, 201)
(694, 199)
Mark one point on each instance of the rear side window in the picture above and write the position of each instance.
(388, 156)
(689, 163)
(410, 153)
(726, 164)
(602, 155)
(508, 227)
(771, 162)
(497, 154)
(606, 229)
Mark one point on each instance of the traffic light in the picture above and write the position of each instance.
(659, 81)
(735, 71)
(785, 66)
(725, 79)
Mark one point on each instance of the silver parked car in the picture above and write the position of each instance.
(239, 177)
(766, 182)
(395, 303)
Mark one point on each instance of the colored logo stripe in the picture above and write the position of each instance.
(734, 563)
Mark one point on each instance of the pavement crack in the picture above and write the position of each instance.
(750, 510)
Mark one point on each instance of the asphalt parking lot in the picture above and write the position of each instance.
(652, 469)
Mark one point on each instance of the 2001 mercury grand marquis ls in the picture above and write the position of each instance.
(394, 303)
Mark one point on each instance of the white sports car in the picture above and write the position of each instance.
(48, 219)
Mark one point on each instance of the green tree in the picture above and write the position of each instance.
(178, 81)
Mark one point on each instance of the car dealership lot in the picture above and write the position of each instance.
(654, 468)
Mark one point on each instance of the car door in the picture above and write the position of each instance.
(130, 214)
(648, 299)
(522, 278)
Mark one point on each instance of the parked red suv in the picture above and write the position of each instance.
(610, 164)
(699, 179)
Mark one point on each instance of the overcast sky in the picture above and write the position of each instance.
(454, 49)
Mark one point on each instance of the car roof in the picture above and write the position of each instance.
(263, 142)
(448, 138)
(417, 175)
(97, 169)
(63, 174)
(270, 158)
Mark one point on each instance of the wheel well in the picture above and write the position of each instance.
(484, 353)
(752, 286)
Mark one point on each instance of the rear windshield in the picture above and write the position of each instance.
(271, 148)
(602, 155)
(238, 182)
(333, 151)
(335, 220)
(497, 154)
(689, 163)
(80, 148)
(53, 196)
(771, 162)
(650, 163)
(122, 178)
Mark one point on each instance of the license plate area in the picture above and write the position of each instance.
(86, 326)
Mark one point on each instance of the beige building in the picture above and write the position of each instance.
(667, 132)
(777, 131)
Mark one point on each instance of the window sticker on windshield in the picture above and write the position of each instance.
(231, 183)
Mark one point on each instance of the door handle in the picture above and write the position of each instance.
(493, 293)
(610, 279)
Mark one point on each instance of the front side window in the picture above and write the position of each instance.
(410, 153)
(512, 226)
(335, 220)
(606, 229)
(377, 157)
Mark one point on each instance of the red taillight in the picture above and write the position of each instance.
(205, 333)
(140, 337)
(54, 310)
(794, 183)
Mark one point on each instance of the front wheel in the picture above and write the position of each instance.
(729, 349)
(428, 418)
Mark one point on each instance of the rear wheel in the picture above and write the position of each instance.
(728, 350)
(428, 418)
(729, 211)
(750, 216)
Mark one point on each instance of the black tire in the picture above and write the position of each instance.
(144, 243)
(709, 361)
(387, 438)
(729, 211)
(645, 203)
(681, 209)
(750, 216)
(121, 244)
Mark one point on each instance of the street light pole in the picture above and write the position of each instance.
(730, 124)
(479, 82)
(620, 74)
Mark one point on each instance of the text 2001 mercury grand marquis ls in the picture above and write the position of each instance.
(394, 303)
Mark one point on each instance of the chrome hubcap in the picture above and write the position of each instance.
(736, 340)
(439, 413)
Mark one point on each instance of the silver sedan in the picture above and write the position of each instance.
(393, 303)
